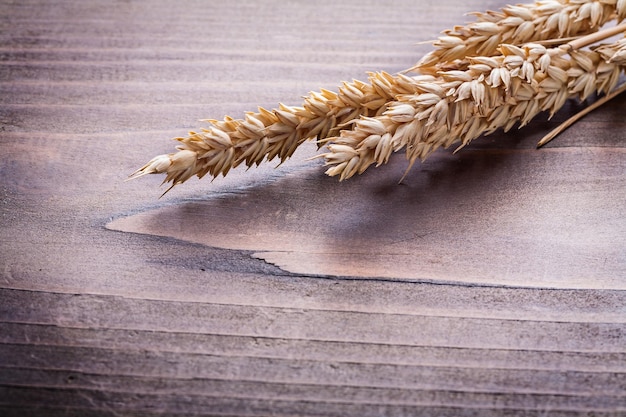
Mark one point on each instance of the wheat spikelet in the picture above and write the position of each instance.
(458, 106)
(519, 24)
(267, 134)
(614, 53)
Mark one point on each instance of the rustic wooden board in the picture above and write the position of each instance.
(495, 217)
(491, 282)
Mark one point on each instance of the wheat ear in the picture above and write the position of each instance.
(267, 134)
(519, 24)
(458, 106)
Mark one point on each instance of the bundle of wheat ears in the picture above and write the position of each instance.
(500, 70)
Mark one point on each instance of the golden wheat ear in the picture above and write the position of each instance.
(520, 24)
(329, 117)
(493, 93)
(269, 134)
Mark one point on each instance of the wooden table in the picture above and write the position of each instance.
(490, 282)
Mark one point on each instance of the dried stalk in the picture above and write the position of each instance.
(267, 134)
(569, 122)
(615, 53)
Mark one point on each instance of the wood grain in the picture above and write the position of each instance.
(494, 217)
(492, 282)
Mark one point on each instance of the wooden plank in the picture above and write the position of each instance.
(504, 218)
(134, 340)
(402, 327)
(283, 292)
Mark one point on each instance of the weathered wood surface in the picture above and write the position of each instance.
(492, 282)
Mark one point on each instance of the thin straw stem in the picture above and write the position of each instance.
(594, 37)
(554, 133)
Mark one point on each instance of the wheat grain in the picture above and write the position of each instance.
(615, 52)
(519, 24)
(494, 92)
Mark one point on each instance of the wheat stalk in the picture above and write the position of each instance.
(519, 24)
(494, 92)
(569, 122)
(615, 53)
(267, 134)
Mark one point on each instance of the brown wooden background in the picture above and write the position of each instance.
(491, 283)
